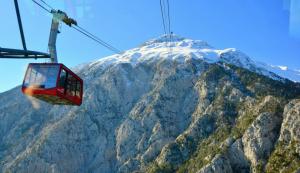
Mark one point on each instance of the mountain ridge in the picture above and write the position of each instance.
(149, 110)
(202, 50)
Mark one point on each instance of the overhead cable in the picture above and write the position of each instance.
(169, 20)
(82, 30)
(40, 5)
(49, 6)
(162, 7)
(96, 39)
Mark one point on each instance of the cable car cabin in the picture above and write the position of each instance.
(53, 83)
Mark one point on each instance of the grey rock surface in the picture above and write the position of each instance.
(219, 164)
(290, 129)
(260, 138)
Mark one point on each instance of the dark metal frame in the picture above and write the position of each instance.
(21, 54)
(17, 53)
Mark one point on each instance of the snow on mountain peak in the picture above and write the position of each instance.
(182, 49)
(164, 38)
(283, 71)
(175, 41)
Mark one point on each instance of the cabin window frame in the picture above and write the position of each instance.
(41, 76)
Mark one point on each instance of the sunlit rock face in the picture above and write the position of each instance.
(184, 106)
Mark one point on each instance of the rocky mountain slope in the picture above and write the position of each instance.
(187, 107)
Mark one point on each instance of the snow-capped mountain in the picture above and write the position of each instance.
(283, 71)
(182, 49)
(183, 107)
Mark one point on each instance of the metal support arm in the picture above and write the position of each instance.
(52, 41)
(20, 24)
(58, 16)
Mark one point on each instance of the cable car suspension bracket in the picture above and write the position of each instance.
(58, 16)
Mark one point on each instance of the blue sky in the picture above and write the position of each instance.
(266, 30)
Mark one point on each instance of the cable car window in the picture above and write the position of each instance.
(27, 77)
(71, 85)
(36, 79)
(41, 76)
(74, 87)
(78, 89)
(51, 77)
(62, 78)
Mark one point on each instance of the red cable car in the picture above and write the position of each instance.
(53, 83)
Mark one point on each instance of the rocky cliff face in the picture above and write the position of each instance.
(184, 108)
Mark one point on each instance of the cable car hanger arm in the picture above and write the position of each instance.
(58, 16)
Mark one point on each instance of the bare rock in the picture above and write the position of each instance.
(259, 139)
(290, 130)
(237, 158)
(219, 164)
